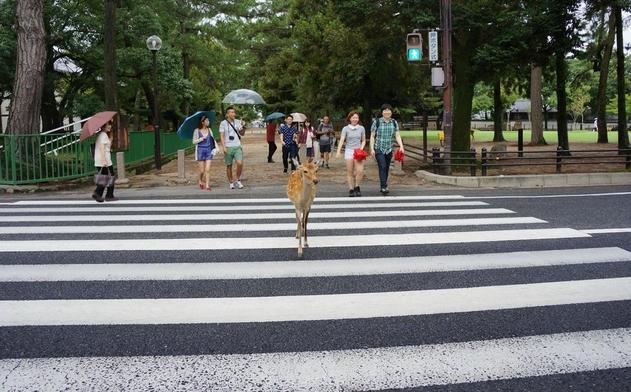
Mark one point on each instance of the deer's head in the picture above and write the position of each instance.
(308, 171)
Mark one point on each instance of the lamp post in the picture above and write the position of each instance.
(154, 43)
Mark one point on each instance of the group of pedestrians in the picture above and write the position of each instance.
(294, 136)
(384, 130)
(230, 131)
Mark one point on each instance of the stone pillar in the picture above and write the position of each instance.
(181, 165)
(121, 176)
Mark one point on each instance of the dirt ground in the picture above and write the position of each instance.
(256, 170)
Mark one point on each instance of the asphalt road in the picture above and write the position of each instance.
(443, 289)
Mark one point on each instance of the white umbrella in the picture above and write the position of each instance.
(299, 117)
(244, 97)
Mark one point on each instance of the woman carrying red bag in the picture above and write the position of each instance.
(354, 138)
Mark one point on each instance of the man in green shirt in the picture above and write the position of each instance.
(381, 133)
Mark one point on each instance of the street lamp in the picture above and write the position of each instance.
(154, 43)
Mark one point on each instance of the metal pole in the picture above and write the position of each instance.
(156, 115)
(447, 93)
(425, 136)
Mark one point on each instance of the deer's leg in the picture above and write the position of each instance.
(304, 229)
(298, 223)
(299, 234)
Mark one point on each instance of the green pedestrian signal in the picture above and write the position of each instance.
(414, 47)
(414, 54)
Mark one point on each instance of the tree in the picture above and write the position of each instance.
(498, 136)
(623, 136)
(605, 49)
(536, 106)
(109, 76)
(24, 115)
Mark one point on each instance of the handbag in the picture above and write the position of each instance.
(102, 179)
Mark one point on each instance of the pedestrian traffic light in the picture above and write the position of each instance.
(414, 47)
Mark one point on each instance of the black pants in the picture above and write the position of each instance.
(289, 151)
(272, 150)
(100, 188)
(383, 161)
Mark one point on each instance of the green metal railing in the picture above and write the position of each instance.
(31, 159)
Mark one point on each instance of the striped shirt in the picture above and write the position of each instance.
(383, 135)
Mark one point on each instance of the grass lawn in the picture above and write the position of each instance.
(511, 136)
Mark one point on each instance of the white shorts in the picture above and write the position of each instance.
(348, 154)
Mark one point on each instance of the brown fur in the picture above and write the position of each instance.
(301, 190)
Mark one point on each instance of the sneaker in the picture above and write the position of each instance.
(386, 190)
(284, 170)
(327, 166)
(322, 164)
(113, 198)
(351, 193)
(232, 185)
(238, 184)
(358, 192)
(383, 191)
(98, 198)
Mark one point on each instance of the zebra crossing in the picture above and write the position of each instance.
(208, 294)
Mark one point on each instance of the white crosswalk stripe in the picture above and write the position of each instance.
(156, 290)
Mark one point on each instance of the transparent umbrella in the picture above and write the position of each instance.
(244, 97)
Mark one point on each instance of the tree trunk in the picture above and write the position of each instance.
(137, 110)
(24, 116)
(623, 136)
(463, 91)
(50, 113)
(498, 135)
(561, 71)
(146, 87)
(109, 56)
(601, 100)
(536, 107)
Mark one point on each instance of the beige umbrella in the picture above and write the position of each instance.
(299, 117)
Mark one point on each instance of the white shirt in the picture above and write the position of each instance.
(227, 131)
(102, 150)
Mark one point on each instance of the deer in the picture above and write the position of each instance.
(301, 191)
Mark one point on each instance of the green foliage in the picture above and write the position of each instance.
(8, 41)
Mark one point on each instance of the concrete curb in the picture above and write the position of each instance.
(529, 181)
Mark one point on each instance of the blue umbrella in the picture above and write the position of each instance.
(274, 116)
(189, 125)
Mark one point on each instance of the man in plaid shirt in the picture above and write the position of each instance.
(381, 133)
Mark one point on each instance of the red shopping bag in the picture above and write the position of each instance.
(359, 155)
(399, 156)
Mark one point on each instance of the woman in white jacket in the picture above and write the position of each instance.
(103, 163)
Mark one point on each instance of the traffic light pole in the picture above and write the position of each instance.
(445, 6)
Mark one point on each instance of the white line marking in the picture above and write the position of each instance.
(288, 206)
(286, 242)
(309, 307)
(307, 269)
(231, 201)
(607, 231)
(551, 196)
(237, 216)
(354, 225)
(357, 370)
